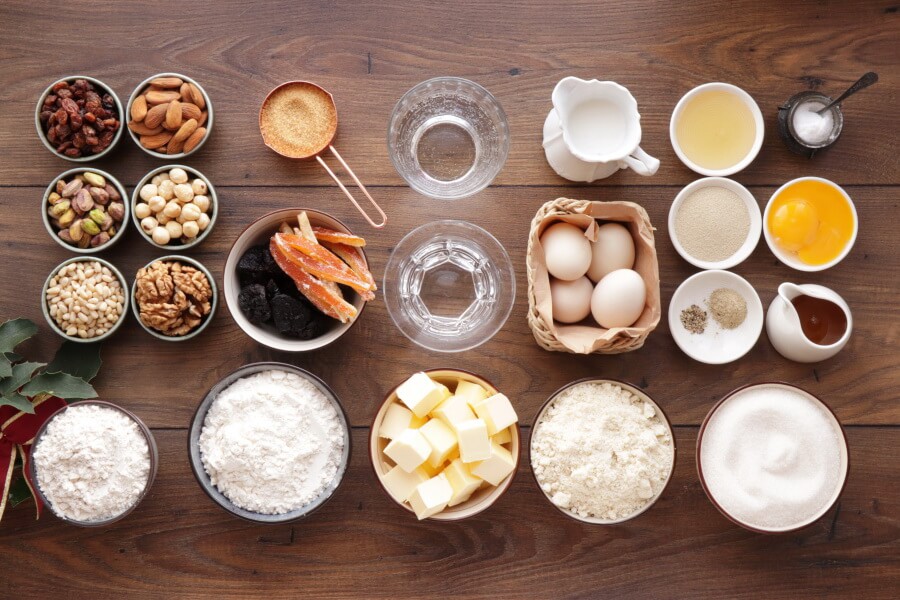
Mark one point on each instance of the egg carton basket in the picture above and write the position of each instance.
(580, 338)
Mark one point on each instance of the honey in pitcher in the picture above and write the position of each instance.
(823, 322)
(715, 129)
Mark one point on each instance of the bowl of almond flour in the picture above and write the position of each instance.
(602, 451)
(93, 462)
(270, 443)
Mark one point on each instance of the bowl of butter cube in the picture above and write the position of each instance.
(445, 444)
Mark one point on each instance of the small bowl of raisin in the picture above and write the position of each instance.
(79, 118)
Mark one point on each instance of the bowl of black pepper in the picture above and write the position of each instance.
(79, 118)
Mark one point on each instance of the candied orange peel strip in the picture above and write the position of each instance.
(354, 258)
(320, 262)
(324, 297)
(323, 234)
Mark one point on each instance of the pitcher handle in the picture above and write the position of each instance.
(642, 163)
(358, 184)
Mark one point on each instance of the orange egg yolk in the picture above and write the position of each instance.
(795, 225)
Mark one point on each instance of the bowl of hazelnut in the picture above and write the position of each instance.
(174, 207)
(85, 211)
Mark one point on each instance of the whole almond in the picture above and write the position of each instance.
(202, 119)
(190, 111)
(156, 116)
(167, 82)
(185, 131)
(161, 97)
(139, 108)
(152, 142)
(173, 115)
(197, 96)
(142, 129)
(195, 139)
(174, 147)
(185, 92)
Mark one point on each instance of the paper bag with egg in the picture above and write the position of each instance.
(587, 337)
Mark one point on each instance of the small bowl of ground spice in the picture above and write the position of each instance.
(715, 317)
(715, 223)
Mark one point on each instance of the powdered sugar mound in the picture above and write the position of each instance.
(92, 463)
(271, 442)
(600, 451)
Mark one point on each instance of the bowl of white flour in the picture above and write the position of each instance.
(602, 451)
(270, 443)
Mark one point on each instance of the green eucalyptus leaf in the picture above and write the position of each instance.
(19, 491)
(5, 367)
(14, 332)
(17, 400)
(63, 385)
(79, 360)
(21, 374)
(13, 357)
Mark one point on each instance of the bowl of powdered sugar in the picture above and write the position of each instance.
(270, 443)
(93, 462)
(602, 451)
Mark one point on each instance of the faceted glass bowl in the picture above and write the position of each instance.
(448, 138)
(449, 286)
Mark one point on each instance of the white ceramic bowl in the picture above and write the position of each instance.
(757, 119)
(791, 260)
(716, 345)
(259, 232)
(752, 235)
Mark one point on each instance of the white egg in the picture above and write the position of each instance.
(571, 300)
(566, 251)
(619, 299)
(613, 250)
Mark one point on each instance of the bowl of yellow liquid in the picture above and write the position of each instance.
(810, 224)
(716, 129)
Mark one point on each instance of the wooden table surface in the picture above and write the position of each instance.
(178, 544)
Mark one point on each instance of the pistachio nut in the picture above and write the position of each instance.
(82, 202)
(71, 188)
(94, 179)
(99, 195)
(111, 231)
(97, 215)
(99, 239)
(64, 236)
(67, 217)
(60, 186)
(59, 209)
(53, 198)
(75, 230)
(89, 227)
(114, 194)
(84, 242)
(116, 211)
(106, 223)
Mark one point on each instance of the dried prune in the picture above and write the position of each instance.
(254, 304)
(295, 318)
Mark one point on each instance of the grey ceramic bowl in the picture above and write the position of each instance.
(197, 463)
(192, 174)
(102, 86)
(208, 124)
(135, 309)
(56, 327)
(109, 179)
(154, 462)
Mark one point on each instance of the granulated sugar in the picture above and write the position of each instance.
(600, 451)
(92, 463)
(298, 120)
(771, 458)
(712, 224)
(271, 442)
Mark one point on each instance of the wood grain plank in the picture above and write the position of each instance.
(369, 53)
(177, 543)
(163, 382)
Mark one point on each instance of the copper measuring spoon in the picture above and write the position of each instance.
(289, 150)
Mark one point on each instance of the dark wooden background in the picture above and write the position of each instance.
(178, 544)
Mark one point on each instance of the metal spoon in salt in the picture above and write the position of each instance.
(862, 83)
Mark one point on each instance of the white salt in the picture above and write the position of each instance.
(810, 126)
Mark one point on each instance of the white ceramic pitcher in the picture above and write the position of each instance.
(601, 124)
(784, 329)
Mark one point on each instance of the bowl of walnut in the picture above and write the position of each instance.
(174, 298)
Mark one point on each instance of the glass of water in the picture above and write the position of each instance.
(448, 138)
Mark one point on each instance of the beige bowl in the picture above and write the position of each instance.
(483, 498)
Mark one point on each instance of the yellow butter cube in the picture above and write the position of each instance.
(504, 436)
(495, 469)
(497, 413)
(421, 394)
(429, 470)
(409, 450)
(401, 484)
(396, 419)
(463, 482)
(417, 422)
(442, 441)
(453, 411)
(431, 497)
(474, 443)
(472, 392)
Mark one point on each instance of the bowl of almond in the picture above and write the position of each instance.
(169, 116)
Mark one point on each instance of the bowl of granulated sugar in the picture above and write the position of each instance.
(715, 223)
(602, 451)
(270, 443)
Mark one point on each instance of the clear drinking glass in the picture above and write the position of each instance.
(448, 137)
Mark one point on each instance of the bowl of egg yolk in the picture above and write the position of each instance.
(810, 224)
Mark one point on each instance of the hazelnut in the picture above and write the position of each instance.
(174, 229)
(148, 191)
(199, 187)
(142, 210)
(190, 229)
(163, 218)
(148, 224)
(156, 180)
(202, 202)
(156, 203)
(172, 209)
(184, 192)
(203, 222)
(191, 212)
(161, 236)
(167, 189)
(178, 175)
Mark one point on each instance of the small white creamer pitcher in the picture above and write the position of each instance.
(786, 332)
(601, 124)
